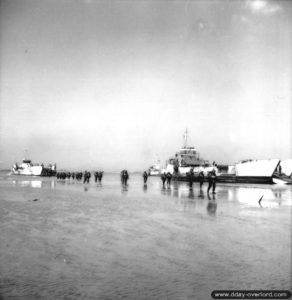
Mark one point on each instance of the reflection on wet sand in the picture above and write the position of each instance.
(211, 208)
(201, 194)
(278, 196)
(163, 190)
(212, 205)
(99, 185)
(270, 196)
(181, 190)
(175, 192)
(28, 183)
(191, 194)
(36, 184)
(265, 197)
(248, 195)
(124, 188)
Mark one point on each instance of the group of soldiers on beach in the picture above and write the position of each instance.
(191, 178)
(165, 177)
(124, 177)
(79, 175)
(211, 178)
(69, 175)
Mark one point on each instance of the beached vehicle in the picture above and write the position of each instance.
(28, 168)
(245, 171)
(185, 160)
(248, 171)
(155, 170)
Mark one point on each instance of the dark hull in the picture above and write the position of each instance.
(48, 172)
(226, 178)
(246, 179)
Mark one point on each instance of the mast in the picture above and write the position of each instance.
(25, 154)
(185, 136)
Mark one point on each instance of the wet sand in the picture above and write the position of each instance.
(61, 239)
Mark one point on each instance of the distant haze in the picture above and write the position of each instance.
(114, 84)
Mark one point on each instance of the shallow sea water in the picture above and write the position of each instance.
(61, 239)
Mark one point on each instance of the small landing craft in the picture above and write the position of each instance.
(27, 168)
(155, 170)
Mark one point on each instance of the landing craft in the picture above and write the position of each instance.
(155, 170)
(251, 171)
(29, 169)
(263, 171)
(185, 160)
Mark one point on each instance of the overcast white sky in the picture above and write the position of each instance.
(114, 84)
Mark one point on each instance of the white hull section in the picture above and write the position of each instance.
(184, 170)
(279, 181)
(257, 168)
(154, 173)
(154, 170)
(31, 171)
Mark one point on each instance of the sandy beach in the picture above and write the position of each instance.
(61, 239)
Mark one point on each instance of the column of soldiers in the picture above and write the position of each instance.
(165, 177)
(79, 175)
(69, 175)
(211, 177)
(98, 176)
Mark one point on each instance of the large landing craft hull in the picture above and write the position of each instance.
(253, 171)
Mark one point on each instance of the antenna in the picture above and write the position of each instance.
(185, 138)
(158, 159)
